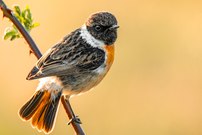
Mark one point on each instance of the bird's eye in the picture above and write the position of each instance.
(98, 28)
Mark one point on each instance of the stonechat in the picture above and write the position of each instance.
(71, 67)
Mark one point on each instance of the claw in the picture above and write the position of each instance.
(75, 119)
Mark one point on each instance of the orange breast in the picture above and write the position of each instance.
(110, 55)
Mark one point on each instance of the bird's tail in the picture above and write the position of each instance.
(41, 109)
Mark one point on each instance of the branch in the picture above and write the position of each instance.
(34, 49)
(8, 13)
(70, 113)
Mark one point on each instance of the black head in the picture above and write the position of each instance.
(103, 26)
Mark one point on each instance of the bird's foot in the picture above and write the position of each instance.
(75, 119)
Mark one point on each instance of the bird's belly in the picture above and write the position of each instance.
(79, 83)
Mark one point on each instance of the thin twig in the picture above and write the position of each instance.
(71, 116)
(34, 49)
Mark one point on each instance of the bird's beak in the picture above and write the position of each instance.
(114, 27)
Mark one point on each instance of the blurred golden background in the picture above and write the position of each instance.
(154, 86)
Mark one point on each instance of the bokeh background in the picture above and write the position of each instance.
(154, 86)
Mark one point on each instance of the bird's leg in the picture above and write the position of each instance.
(74, 121)
(73, 117)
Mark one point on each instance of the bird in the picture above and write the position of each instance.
(71, 67)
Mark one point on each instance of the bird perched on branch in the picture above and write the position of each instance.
(71, 67)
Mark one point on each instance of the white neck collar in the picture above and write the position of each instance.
(89, 38)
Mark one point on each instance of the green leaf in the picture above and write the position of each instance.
(17, 10)
(25, 18)
(29, 15)
(36, 24)
(13, 37)
(9, 33)
(18, 36)
(23, 14)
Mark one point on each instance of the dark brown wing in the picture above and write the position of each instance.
(72, 55)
